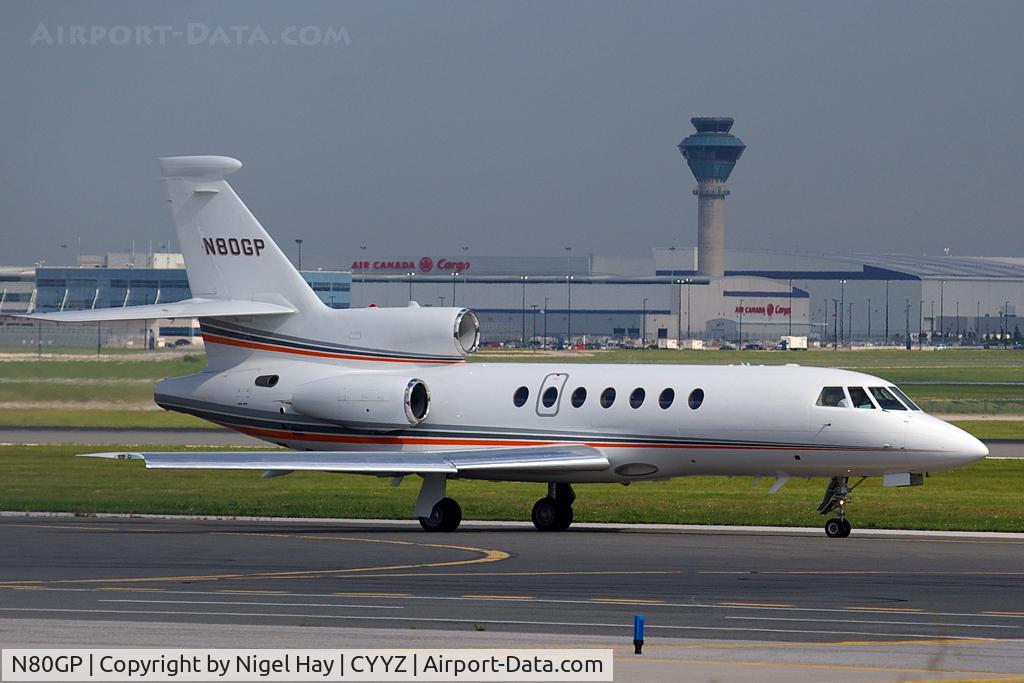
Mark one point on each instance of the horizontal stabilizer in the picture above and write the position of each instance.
(531, 459)
(189, 308)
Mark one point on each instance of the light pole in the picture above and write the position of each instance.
(1006, 321)
(534, 339)
(835, 323)
(869, 319)
(568, 296)
(906, 310)
(790, 307)
(849, 326)
(522, 336)
(740, 335)
(442, 300)
(643, 326)
(958, 320)
(568, 313)
(920, 322)
(453, 287)
(932, 328)
(410, 284)
(842, 310)
(299, 266)
(545, 344)
(886, 312)
(679, 318)
(942, 309)
(688, 308)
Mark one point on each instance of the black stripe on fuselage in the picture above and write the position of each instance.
(245, 334)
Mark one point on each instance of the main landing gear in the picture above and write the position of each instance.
(446, 515)
(551, 513)
(837, 496)
(554, 512)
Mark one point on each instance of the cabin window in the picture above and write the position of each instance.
(696, 398)
(549, 397)
(904, 398)
(636, 399)
(607, 397)
(579, 397)
(833, 397)
(666, 398)
(520, 397)
(267, 380)
(886, 399)
(859, 398)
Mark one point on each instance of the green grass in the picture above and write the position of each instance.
(114, 419)
(101, 369)
(984, 496)
(34, 392)
(989, 430)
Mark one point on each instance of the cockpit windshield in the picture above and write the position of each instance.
(904, 398)
(886, 399)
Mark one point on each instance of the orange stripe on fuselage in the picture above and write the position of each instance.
(227, 341)
(450, 441)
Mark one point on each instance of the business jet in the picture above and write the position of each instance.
(387, 392)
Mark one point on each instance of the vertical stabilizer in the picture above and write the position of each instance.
(228, 254)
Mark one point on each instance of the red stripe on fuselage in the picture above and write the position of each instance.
(281, 435)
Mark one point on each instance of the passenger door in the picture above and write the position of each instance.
(548, 400)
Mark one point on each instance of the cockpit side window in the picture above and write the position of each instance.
(833, 397)
(886, 400)
(904, 398)
(859, 398)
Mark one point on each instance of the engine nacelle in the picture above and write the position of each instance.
(369, 401)
(428, 333)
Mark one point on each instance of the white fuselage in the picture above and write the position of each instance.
(751, 420)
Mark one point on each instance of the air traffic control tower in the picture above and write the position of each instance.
(711, 153)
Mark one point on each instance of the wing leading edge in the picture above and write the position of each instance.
(553, 458)
(189, 308)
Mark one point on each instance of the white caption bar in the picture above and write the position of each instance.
(304, 665)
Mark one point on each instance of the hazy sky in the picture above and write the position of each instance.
(519, 127)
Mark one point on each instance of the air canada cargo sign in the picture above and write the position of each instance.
(770, 310)
(423, 265)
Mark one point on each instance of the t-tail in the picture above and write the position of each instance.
(249, 298)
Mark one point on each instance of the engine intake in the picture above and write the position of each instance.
(369, 401)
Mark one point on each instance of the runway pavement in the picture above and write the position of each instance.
(742, 603)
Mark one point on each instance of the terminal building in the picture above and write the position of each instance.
(703, 294)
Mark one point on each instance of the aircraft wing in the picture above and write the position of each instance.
(552, 458)
(189, 308)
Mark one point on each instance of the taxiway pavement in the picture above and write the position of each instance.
(763, 605)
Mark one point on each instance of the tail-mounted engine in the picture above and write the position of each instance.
(414, 333)
(368, 401)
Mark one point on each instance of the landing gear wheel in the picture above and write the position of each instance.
(445, 516)
(837, 528)
(551, 515)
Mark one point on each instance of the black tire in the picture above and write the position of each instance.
(847, 527)
(564, 517)
(445, 516)
(551, 515)
(834, 528)
(545, 515)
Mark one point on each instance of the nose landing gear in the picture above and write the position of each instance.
(837, 495)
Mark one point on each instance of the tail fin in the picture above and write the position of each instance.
(228, 254)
